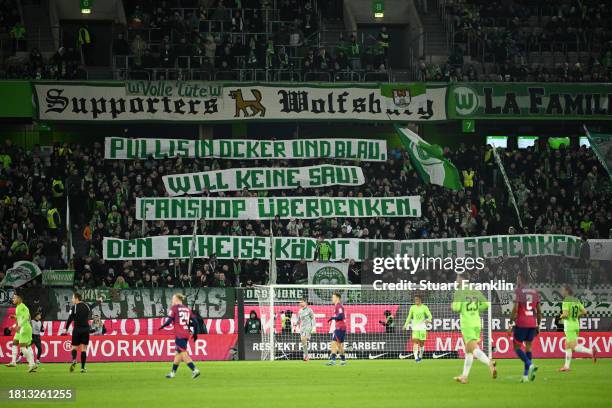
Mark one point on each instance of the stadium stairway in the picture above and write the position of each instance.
(38, 28)
(436, 46)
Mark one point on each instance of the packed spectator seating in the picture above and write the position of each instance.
(252, 40)
(222, 40)
(558, 191)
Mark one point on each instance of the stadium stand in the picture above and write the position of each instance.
(544, 41)
(561, 191)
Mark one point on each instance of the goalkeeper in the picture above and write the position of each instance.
(469, 304)
(306, 323)
(419, 315)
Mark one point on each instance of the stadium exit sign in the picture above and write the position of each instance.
(86, 6)
(378, 6)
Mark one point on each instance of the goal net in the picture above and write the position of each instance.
(375, 321)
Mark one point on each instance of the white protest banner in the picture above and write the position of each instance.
(246, 149)
(297, 248)
(267, 208)
(263, 178)
(198, 102)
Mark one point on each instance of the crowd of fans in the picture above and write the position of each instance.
(65, 64)
(539, 41)
(225, 40)
(543, 41)
(562, 191)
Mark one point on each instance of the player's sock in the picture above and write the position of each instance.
(191, 366)
(582, 349)
(467, 364)
(529, 355)
(415, 350)
(523, 356)
(421, 351)
(174, 368)
(74, 354)
(27, 353)
(14, 354)
(342, 357)
(568, 358)
(480, 355)
(332, 357)
(83, 359)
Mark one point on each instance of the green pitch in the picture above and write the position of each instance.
(289, 384)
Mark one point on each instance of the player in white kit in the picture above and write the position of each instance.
(306, 324)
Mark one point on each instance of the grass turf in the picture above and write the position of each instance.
(368, 384)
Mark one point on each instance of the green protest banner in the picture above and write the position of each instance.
(263, 178)
(528, 101)
(246, 149)
(58, 277)
(266, 208)
(298, 248)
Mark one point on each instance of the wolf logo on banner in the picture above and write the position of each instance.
(242, 104)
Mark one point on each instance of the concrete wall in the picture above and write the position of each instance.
(396, 11)
(100, 10)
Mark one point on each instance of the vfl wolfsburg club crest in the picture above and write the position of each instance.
(21, 273)
(466, 100)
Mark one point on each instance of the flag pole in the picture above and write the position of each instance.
(192, 248)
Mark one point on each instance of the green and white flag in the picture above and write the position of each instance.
(429, 161)
(21, 273)
(602, 146)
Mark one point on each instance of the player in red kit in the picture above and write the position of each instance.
(182, 317)
(337, 345)
(526, 316)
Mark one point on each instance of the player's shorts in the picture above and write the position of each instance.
(181, 345)
(571, 334)
(306, 332)
(25, 335)
(339, 335)
(419, 335)
(522, 334)
(470, 333)
(16, 337)
(80, 337)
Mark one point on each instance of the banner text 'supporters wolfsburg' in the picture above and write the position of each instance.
(246, 149)
(110, 101)
(265, 208)
(298, 248)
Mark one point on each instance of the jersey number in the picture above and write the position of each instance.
(184, 318)
(472, 305)
(528, 305)
(575, 312)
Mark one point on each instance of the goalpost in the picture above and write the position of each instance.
(374, 318)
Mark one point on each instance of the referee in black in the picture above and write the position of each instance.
(79, 314)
